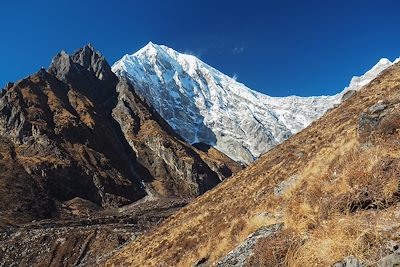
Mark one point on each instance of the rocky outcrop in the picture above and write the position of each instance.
(176, 168)
(241, 254)
(379, 120)
(391, 260)
(94, 62)
(285, 185)
(347, 94)
(86, 71)
(349, 262)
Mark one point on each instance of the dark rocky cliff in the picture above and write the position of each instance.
(77, 131)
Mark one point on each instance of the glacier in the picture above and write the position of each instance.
(203, 105)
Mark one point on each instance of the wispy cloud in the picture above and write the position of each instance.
(237, 50)
(197, 52)
(235, 76)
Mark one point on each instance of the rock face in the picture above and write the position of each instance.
(204, 105)
(349, 262)
(77, 131)
(391, 260)
(379, 120)
(241, 254)
(347, 94)
(175, 167)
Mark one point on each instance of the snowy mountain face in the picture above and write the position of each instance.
(206, 106)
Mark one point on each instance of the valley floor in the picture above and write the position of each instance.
(81, 241)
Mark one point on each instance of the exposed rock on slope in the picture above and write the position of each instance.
(204, 105)
(241, 254)
(343, 202)
(176, 168)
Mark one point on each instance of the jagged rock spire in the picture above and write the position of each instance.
(61, 66)
(89, 58)
(9, 85)
(86, 70)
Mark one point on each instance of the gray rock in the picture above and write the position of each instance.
(61, 65)
(89, 58)
(392, 260)
(380, 119)
(283, 186)
(378, 107)
(347, 95)
(240, 255)
(349, 261)
(367, 122)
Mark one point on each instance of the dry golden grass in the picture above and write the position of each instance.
(341, 204)
(83, 106)
(362, 235)
(275, 250)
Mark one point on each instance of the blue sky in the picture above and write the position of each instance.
(276, 47)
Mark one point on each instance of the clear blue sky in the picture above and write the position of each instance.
(276, 47)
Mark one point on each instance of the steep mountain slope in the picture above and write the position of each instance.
(204, 105)
(77, 131)
(328, 192)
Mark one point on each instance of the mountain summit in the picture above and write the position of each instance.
(206, 106)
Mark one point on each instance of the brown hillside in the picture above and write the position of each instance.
(334, 187)
(77, 131)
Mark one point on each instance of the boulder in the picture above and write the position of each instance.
(392, 260)
(242, 253)
(347, 95)
(381, 119)
(349, 261)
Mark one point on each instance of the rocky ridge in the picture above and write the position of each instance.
(77, 143)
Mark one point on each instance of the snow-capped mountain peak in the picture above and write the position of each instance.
(204, 105)
(359, 81)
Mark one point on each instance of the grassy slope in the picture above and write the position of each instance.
(326, 212)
